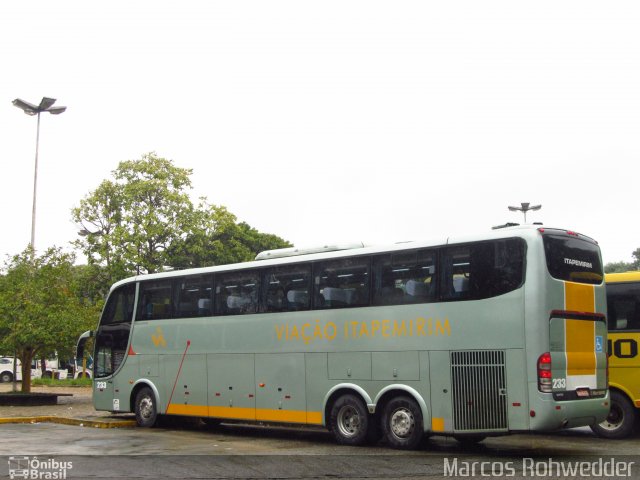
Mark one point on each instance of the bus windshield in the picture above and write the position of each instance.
(572, 257)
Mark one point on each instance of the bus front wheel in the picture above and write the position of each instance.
(6, 377)
(349, 420)
(621, 420)
(146, 411)
(402, 423)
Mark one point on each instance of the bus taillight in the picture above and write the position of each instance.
(544, 372)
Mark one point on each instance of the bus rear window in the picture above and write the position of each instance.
(572, 258)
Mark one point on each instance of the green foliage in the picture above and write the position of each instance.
(69, 382)
(617, 267)
(143, 221)
(217, 239)
(40, 309)
(129, 222)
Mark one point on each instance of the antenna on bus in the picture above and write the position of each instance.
(524, 208)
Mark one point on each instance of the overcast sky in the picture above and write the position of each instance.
(332, 120)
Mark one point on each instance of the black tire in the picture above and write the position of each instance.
(621, 420)
(6, 377)
(349, 420)
(402, 423)
(47, 374)
(146, 410)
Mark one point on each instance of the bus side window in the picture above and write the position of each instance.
(237, 293)
(155, 300)
(456, 263)
(483, 269)
(194, 296)
(341, 283)
(622, 314)
(287, 288)
(407, 277)
(623, 306)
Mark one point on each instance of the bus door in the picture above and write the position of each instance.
(103, 386)
(111, 342)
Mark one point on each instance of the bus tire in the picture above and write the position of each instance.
(621, 420)
(349, 420)
(402, 423)
(146, 410)
(6, 377)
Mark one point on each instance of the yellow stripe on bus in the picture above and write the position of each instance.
(580, 335)
(239, 413)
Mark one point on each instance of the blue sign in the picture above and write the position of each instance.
(599, 344)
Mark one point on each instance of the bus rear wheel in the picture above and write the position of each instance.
(6, 377)
(349, 420)
(402, 423)
(146, 411)
(621, 420)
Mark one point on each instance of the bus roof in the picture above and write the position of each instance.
(622, 277)
(290, 256)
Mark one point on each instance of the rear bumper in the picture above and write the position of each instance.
(547, 414)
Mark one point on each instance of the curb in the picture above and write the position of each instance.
(80, 422)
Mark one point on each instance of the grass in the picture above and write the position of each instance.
(69, 382)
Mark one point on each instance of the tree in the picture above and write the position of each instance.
(128, 223)
(143, 221)
(40, 309)
(218, 239)
(617, 267)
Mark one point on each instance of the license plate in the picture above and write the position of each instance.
(582, 392)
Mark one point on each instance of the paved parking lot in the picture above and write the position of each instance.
(190, 450)
(240, 451)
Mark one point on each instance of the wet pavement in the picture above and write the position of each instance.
(191, 450)
(242, 451)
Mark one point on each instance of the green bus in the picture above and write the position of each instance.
(467, 337)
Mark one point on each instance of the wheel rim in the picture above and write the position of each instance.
(402, 423)
(614, 420)
(145, 407)
(349, 421)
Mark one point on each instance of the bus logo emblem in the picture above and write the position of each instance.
(158, 338)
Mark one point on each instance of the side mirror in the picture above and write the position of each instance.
(79, 350)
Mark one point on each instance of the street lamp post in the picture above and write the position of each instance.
(46, 105)
(524, 208)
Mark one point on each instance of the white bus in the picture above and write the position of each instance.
(467, 337)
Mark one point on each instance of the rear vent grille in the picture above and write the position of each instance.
(479, 390)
